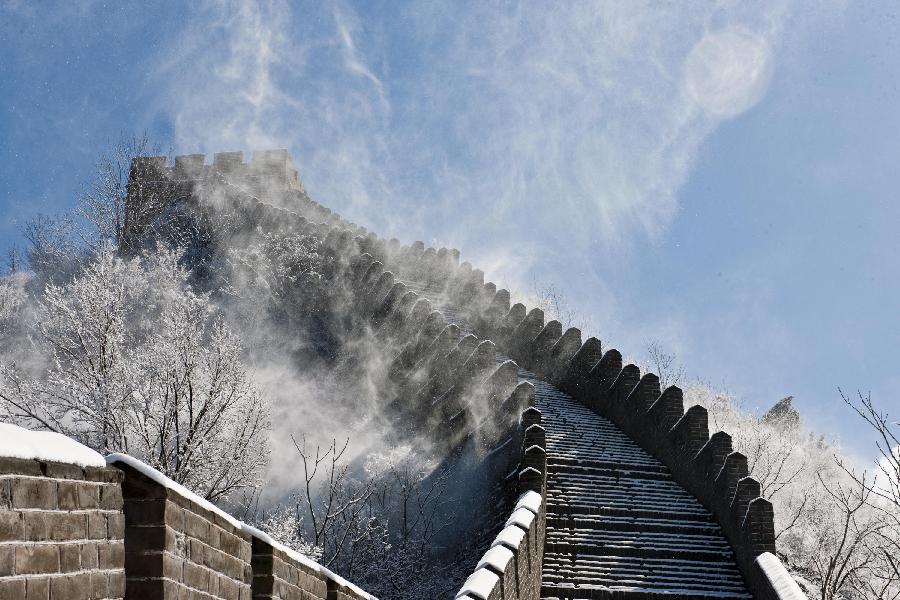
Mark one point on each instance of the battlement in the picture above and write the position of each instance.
(272, 168)
(454, 358)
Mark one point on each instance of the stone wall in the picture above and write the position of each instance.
(125, 531)
(704, 464)
(176, 548)
(61, 531)
(432, 351)
(444, 383)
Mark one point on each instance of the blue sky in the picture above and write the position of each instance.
(722, 179)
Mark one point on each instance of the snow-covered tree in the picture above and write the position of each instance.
(832, 526)
(138, 362)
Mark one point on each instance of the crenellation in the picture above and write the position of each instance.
(108, 534)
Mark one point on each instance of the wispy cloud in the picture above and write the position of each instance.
(557, 133)
(573, 124)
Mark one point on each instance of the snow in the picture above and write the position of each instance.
(778, 577)
(164, 481)
(510, 537)
(479, 584)
(18, 442)
(497, 557)
(521, 517)
(530, 500)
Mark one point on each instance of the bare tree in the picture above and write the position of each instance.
(115, 213)
(887, 441)
(667, 369)
(849, 560)
(340, 519)
(554, 303)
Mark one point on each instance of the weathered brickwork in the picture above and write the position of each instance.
(175, 548)
(277, 576)
(61, 531)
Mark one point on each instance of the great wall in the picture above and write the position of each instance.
(619, 492)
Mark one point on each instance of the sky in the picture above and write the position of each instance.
(720, 178)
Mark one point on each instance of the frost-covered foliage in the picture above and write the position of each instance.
(276, 264)
(136, 361)
(832, 529)
(376, 524)
(13, 303)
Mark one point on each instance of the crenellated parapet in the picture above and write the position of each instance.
(443, 376)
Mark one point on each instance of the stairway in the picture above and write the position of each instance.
(618, 525)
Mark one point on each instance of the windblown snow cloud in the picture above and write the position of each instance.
(535, 126)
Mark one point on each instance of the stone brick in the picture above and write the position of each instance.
(67, 526)
(111, 497)
(88, 496)
(143, 588)
(20, 466)
(96, 526)
(112, 555)
(67, 493)
(144, 564)
(5, 494)
(215, 535)
(99, 585)
(197, 552)
(69, 558)
(145, 512)
(103, 474)
(115, 526)
(214, 584)
(37, 588)
(34, 493)
(7, 560)
(89, 555)
(32, 558)
(71, 587)
(37, 526)
(228, 588)
(117, 584)
(232, 544)
(12, 588)
(58, 470)
(196, 576)
(173, 567)
(12, 526)
(139, 539)
(196, 526)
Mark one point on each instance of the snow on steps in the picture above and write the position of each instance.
(617, 523)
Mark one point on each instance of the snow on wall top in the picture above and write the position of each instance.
(164, 481)
(176, 487)
(18, 442)
(780, 580)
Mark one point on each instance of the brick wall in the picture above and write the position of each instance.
(176, 548)
(278, 576)
(61, 531)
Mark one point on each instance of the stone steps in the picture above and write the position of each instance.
(618, 525)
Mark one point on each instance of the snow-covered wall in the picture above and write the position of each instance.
(61, 524)
(461, 382)
(445, 383)
(89, 531)
(706, 465)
